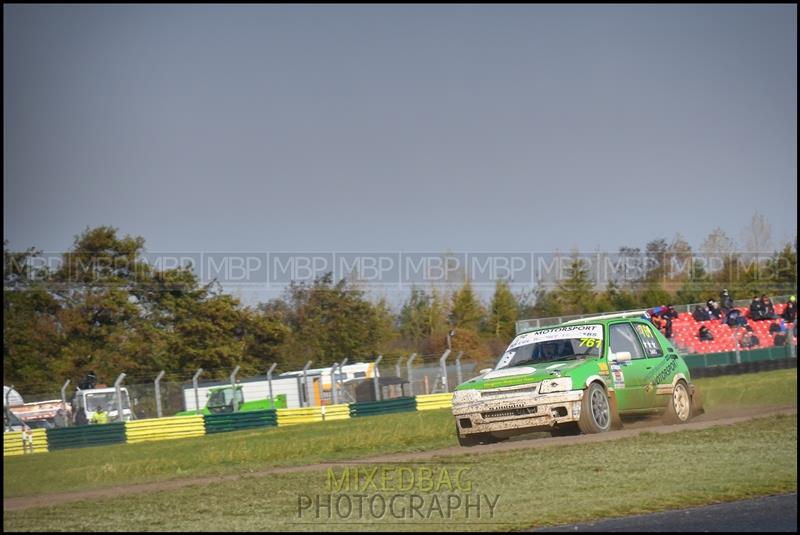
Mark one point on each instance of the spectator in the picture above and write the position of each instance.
(100, 416)
(668, 327)
(669, 312)
(27, 439)
(89, 382)
(61, 419)
(789, 313)
(748, 338)
(725, 301)
(80, 417)
(704, 334)
(713, 309)
(757, 312)
(779, 339)
(768, 307)
(780, 333)
(776, 327)
(735, 318)
(657, 321)
(701, 313)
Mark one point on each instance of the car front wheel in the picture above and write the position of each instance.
(595, 410)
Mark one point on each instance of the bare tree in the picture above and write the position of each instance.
(757, 236)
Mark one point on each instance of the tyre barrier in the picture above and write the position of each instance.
(313, 414)
(372, 408)
(435, 401)
(13, 443)
(336, 412)
(165, 428)
(234, 421)
(85, 436)
(302, 415)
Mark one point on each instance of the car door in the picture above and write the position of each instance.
(629, 377)
(656, 362)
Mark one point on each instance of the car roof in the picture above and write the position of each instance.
(598, 320)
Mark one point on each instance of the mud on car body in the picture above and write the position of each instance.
(577, 376)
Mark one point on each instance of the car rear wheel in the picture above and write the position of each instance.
(679, 409)
(595, 410)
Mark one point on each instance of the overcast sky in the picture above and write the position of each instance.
(398, 127)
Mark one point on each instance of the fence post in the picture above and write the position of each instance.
(158, 392)
(64, 396)
(305, 383)
(269, 381)
(340, 384)
(6, 408)
(120, 412)
(459, 377)
(736, 346)
(376, 378)
(233, 386)
(334, 393)
(397, 366)
(196, 394)
(443, 364)
(410, 372)
(341, 372)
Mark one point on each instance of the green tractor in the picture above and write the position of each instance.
(221, 399)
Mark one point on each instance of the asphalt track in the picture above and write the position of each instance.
(768, 513)
(704, 421)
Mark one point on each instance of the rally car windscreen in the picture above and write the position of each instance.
(559, 343)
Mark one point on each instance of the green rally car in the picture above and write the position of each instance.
(577, 376)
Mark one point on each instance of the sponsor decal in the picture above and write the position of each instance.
(649, 339)
(603, 368)
(593, 332)
(666, 372)
(619, 377)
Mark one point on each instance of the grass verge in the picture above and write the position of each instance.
(530, 488)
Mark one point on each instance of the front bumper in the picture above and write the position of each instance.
(525, 412)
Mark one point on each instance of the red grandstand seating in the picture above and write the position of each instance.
(685, 328)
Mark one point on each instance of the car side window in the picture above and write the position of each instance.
(649, 340)
(623, 338)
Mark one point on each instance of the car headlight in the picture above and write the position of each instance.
(465, 396)
(561, 384)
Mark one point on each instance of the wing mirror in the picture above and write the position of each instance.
(622, 356)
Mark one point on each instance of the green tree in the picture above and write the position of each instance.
(466, 311)
(330, 321)
(575, 292)
(502, 315)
